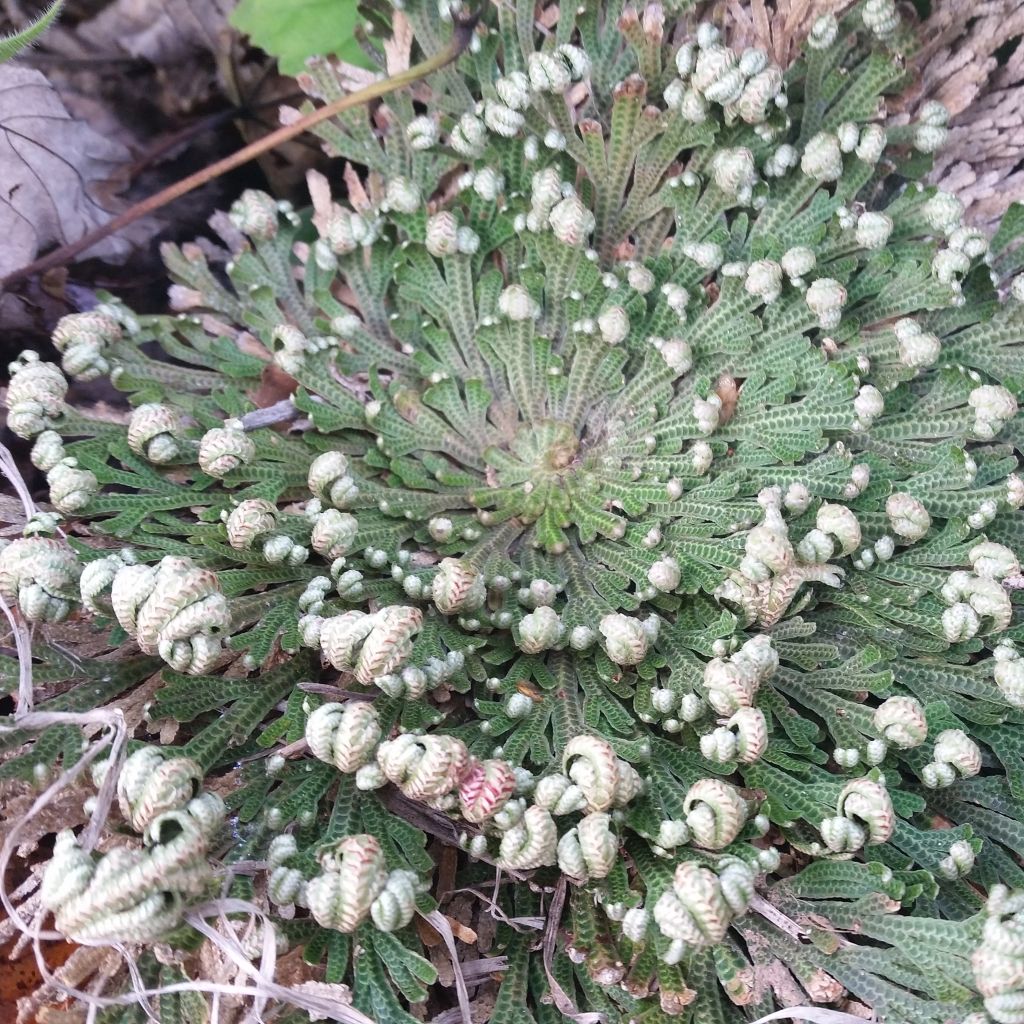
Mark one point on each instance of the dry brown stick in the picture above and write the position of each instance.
(460, 40)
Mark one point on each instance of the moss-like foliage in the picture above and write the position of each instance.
(623, 486)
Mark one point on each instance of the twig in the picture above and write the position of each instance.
(460, 40)
(761, 906)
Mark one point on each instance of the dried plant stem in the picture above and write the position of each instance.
(460, 40)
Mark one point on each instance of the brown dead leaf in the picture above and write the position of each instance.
(52, 167)
(162, 31)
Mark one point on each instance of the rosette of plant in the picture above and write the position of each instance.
(641, 519)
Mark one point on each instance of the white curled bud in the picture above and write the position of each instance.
(781, 161)
(530, 843)
(225, 449)
(931, 132)
(917, 348)
(970, 241)
(693, 911)
(715, 813)
(734, 172)
(423, 767)
(469, 136)
(848, 135)
(581, 638)
(329, 481)
(370, 645)
(514, 90)
(943, 212)
(175, 609)
(707, 255)
(938, 775)
(540, 630)
(635, 924)
(959, 862)
(872, 144)
(901, 722)
(35, 395)
(838, 521)
(956, 748)
(664, 575)
(97, 577)
(826, 298)
(873, 230)
(676, 298)
(421, 132)
(488, 183)
(442, 234)
(948, 265)
(517, 304)
(71, 487)
(255, 214)
(1009, 674)
(676, 353)
(764, 279)
(692, 106)
(502, 120)
(589, 850)
(286, 886)
(47, 451)
(560, 795)
(823, 32)
(994, 407)
(83, 339)
(639, 278)
(575, 59)
(868, 406)
(333, 533)
(686, 59)
(822, 159)
(613, 324)
(881, 17)
(571, 221)
(484, 788)
(395, 907)
(353, 874)
(345, 735)
(706, 412)
(907, 516)
(797, 498)
(960, 622)
(152, 782)
(816, 548)
(672, 832)
(548, 73)
(846, 757)
(155, 433)
(458, 587)
(744, 738)
(248, 521)
(761, 92)
(798, 262)
(867, 803)
(625, 640)
(590, 763)
(717, 76)
(467, 241)
(403, 195)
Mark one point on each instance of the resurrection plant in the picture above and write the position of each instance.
(619, 484)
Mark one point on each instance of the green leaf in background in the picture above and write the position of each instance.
(293, 30)
(12, 45)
